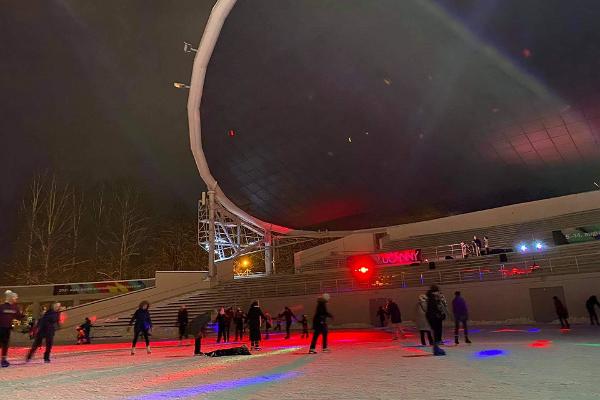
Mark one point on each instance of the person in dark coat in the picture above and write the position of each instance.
(320, 324)
(562, 313)
(238, 320)
(221, 322)
(590, 306)
(393, 311)
(182, 322)
(268, 324)
(436, 314)
(228, 319)
(381, 315)
(287, 314)
(461, 315)
(255, 316)
(83, 332)
(304, 322)
(9, 311)
(47, 326)
(143, 325)
(198, 331)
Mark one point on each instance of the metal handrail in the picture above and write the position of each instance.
(451, 275)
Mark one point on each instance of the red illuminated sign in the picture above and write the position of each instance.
(390, 258)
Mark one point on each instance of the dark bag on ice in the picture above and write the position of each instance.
(234, 351)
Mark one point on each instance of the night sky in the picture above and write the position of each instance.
(87, 93)
(439, 87)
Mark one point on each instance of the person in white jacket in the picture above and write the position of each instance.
(421, 320)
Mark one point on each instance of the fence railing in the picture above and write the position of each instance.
(395, 278)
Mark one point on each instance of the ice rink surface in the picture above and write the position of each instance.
(524, 362)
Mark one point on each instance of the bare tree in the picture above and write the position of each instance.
(128, 231)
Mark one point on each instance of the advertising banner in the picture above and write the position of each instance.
(576, 235)
(116, 287)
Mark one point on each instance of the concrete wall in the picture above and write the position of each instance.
(357, 242)
(512, 214)
(169, 284)
(498, 301)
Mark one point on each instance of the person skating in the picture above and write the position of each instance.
(9, 311)
(304, 322)
(381, 315)
(421, 320)
(320, 324)
(182, 323)
(198, 331)
(228, 320)
(277, 324)
(268, 324)
(142, 326)
(47, 326)
(83, 332)
(461, 315)
(590, 306)
(436, 313)
(393, 311)
(255, 315)
(287, 314)
(221, 322)
(238, 320)
(562, 313)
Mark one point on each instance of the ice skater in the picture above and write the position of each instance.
(83, 332)
(268, 324)
(461, 315)
(47, 326)
(143, 326)
(421, 320)
(255, 316)
(436, 314)
(320, 324)
(221, 322)
(198, 331)
(304, 322)
(590, 306)
(562, 313)
(228, 319)
(238, 320)
(287, 314)
(393, 311)
(9, 311)
(182, 323)
(381, 315)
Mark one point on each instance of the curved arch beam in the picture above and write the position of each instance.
(219, 13)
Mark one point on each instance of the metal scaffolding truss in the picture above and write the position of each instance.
(233, 236)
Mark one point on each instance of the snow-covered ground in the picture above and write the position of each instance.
(524, 362)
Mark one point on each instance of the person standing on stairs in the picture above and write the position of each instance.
(142, 326)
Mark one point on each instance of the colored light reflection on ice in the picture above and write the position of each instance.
(491, 353)
(217, 387)
(540, 344)
(588, 344)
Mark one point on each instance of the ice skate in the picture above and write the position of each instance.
(312, 351)
(133, 351)
(326, 351)
(148, 351)
(467, 341)
(4, 363)
(456, 340)
(438, 352)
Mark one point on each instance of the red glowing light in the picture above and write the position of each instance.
(363, 270)
(231, 133)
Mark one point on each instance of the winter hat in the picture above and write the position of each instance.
(422, 297)
(9, 295)
(326, 296)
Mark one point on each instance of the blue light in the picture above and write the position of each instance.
(539, 245)
(194, 391)
(523, 248)
(490, 353)
(533, 330)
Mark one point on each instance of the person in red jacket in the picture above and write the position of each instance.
(9, 311)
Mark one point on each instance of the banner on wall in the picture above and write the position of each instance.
(390, 258)
(576, 235)
(116, 287)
